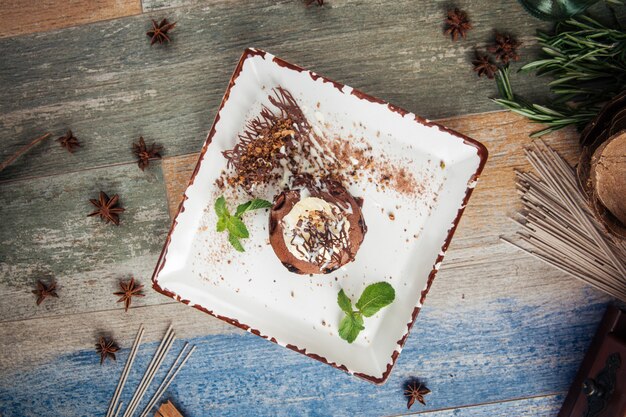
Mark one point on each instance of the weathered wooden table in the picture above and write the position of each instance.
(501, 334)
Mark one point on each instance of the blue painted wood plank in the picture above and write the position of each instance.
(528, 407)
(487, 355)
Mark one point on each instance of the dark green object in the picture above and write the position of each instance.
(374, 297)
(233, 223)
(599, 390)
(556, 10)
(586, 62)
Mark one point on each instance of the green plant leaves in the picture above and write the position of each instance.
(350, 326)
(255, 204)
(221, 224)
(344, 302)
(585, 59)
(220, 207)
(236, 228)
(233, 224)
(374, 297)
(236, 243)
(556, 10)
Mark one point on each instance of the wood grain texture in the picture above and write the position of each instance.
(538, 406)
(109, 86)
(177, 171)
(47, 234)
(498, 327)
(168, 410)
(461, 354)
(518, 325)
(28, 16)
(65, 333)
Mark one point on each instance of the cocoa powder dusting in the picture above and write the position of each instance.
(405, 182)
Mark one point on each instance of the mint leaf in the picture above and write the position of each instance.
(237, 228)
(221, 224)
(344, 302)
(259, 203)
(350, 326)
(233, 224)
(234, 240)
(220, 207)
(374, 297)
(242, 208)
(254, 204)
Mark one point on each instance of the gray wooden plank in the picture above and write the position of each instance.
(75, 332)
(46, 233)
(106, 83)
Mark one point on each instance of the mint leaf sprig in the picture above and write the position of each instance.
(374, 297)
(233, 223)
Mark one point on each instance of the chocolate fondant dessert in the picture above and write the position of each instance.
(316, 228)
(315, 225)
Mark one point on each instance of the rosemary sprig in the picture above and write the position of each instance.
(588, 63)
(556, 116)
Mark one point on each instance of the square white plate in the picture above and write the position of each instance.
(409, 225)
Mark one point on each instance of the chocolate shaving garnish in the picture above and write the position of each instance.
(272, 142)
(321, 241)
(267, 141)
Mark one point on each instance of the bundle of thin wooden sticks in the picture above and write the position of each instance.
(168, 340)
(558, 228)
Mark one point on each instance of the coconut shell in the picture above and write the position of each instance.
(597, 130)
(608, 179)
(583, 171)
(618, 123)
(601, 168)
(602, 176)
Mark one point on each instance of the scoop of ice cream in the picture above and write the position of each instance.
(316, 230)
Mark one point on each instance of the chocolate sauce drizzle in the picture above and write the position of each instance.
(328, 246)
(270, 140)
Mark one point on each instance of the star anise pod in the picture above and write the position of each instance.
(484, 66)
(319, 2)
(107, 208)
(457, 24)
(69, 141)
(144, 154)
(106, 348)
(158, 33)
(129, 290)
(505, 48)
(44, 291)
(416, 392)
